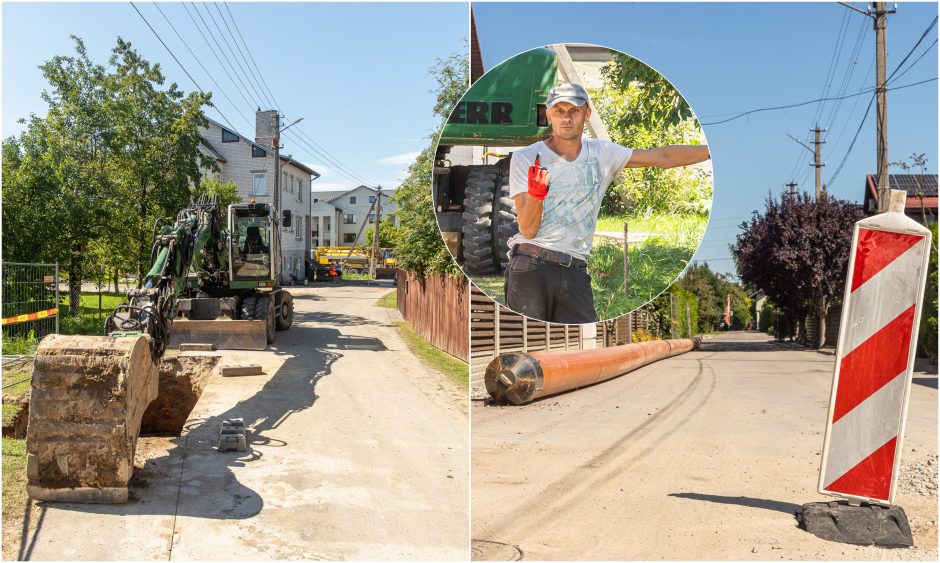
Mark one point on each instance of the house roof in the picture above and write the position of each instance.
(329, 196)
(915, 185)
(241, 137)
(212, 150)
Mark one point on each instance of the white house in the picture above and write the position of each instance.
(339, 216)
(250, 165)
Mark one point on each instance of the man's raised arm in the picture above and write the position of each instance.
(669, 156)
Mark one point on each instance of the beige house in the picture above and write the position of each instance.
(249, 163)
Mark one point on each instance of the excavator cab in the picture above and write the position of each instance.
(252, 234)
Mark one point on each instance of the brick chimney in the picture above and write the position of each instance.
(265, 122)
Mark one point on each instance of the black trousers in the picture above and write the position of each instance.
(548, 291)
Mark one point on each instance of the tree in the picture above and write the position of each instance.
(58, 196)
(641, 109)
(388, 233)
(156, 139)
(85, 183)
(226, 192)
(797, 252)
(711, 290)
(420, 247)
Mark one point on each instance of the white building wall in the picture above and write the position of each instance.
(241, 166)
(360, 212)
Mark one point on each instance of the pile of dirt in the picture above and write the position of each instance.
(919, 476)
(16, 426)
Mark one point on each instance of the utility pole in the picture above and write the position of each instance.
(881, 93)
(373, 264)
(818, 163)
(879, 16)
(792, 185)
(276, 260)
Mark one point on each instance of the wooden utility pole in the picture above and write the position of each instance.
(373, 264)
(817, 162)
(880, 16)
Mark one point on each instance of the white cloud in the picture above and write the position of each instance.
(399, 159)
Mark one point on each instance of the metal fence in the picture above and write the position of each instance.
(30, 298)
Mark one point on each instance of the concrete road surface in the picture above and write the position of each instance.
(357, 452)
(702, 456)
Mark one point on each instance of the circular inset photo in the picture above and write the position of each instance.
(572, 183)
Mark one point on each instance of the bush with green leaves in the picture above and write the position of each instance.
(642, 110)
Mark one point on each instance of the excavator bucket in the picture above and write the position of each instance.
(89, 394)
(224, 334)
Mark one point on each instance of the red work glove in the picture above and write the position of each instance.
(538, 180)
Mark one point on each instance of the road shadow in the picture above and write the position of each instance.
(930, 382)
(740, 346)
(750, 502)
(192, 460)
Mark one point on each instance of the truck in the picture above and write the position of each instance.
(213, 281)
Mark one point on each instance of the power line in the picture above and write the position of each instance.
(157, 35)
(241, 53)
(254, 102)
(214, 54)
(852, 95)
(242, 37)
(232, 51)
(199, 62)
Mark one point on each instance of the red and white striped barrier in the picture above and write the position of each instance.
(875, 355)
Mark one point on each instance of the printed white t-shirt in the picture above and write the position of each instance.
(575, 192)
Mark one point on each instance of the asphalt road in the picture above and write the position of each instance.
(702, 456)
(357, 452)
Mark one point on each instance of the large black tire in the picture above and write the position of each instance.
(284, 316)
(264, 310)
(247, 311)
(484, 232)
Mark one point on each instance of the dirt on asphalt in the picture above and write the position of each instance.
(703, 456)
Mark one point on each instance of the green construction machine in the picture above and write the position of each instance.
(503, 109)
(212, 281)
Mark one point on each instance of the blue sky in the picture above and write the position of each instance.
(357, 73)
(729, 58)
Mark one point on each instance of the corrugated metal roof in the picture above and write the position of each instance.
(328, 196)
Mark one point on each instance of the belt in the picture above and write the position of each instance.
(546, 255)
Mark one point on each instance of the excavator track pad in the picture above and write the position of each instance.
(89, 394)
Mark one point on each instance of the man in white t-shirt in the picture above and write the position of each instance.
(558, 185)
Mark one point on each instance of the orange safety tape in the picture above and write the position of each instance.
(30, 317)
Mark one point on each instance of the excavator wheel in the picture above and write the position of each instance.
(248, 308)
(489, 220)
(285, 312)
(264, 310)
(88, 396)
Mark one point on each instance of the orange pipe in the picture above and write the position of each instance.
(519, 378)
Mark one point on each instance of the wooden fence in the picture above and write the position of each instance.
(494, 329)
(436, 307)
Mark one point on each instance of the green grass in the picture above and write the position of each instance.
(15, 499)
(653, 264)
(88, 320)
(389, 300)
(492, 286)
(19, 345)
(454, 369)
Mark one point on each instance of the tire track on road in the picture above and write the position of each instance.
(547, 506)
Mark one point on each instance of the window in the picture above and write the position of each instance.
(299, 231)
(284, 181)
(258, 186)
(292, 183)
(352, 200)
(229, 137)
(371, 218)
(371, 199)
(349, 238)
(300, 190)
(258, 152)
(349, 219)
